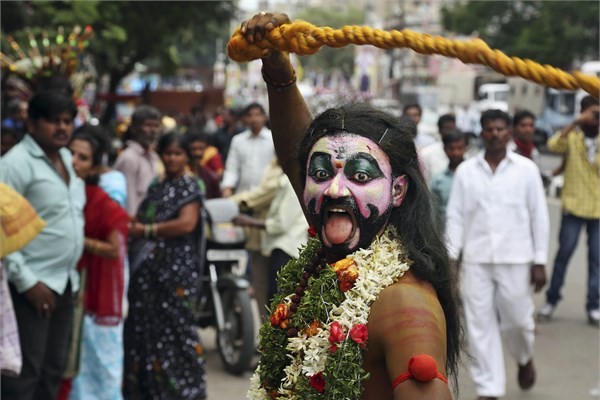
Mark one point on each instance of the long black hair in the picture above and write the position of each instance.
(414, 218)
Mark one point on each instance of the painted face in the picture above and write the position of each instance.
(350, 191)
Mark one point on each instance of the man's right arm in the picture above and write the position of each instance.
(289, 114)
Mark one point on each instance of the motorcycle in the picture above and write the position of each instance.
(226, 303)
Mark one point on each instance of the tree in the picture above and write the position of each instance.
(328, 58)
(549, 32)
(129, 32)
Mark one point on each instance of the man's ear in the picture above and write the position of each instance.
(399, 188)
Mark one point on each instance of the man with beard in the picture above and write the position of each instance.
(581, 205)
(498, 218)
(139, 162)
(369, 309)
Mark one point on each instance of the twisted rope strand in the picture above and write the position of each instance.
(303, 38)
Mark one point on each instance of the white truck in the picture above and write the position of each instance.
(468, 91)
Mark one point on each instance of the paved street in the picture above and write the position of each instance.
(566, 355)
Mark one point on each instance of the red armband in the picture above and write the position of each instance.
(423, 368)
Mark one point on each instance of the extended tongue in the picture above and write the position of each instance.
(338, 228)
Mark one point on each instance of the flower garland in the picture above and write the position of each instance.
(312, 346)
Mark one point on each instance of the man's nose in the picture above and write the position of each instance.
(338, 188)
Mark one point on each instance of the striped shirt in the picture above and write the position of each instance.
(581, 192)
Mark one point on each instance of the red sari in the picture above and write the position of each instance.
(105, 277)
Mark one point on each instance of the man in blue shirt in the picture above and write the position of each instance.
(455, 147)
(43, 274)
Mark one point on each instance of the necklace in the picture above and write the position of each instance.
(311, 347)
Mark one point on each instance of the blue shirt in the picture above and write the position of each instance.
(441, 185)
(53, 255)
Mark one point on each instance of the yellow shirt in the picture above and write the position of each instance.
(581, 190)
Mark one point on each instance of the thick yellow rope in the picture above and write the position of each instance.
(303, 38)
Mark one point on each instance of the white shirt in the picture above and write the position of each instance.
(499, 217)
(434, 159)
(285, 227)
(248, 157)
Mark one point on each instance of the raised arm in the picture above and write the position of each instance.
(288, 112)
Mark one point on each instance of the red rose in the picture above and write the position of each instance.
(333, 348)
(359, 334)
(311, 231)
(318, 382)
(336, 333)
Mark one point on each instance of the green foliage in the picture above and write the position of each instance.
(329, 59)
(549, 32)
(343, 373)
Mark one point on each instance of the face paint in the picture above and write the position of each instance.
(348, 191)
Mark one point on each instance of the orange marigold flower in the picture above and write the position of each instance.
(284, 324)
(312, 328)
(347, 278)
(280, 313)
(343, 264)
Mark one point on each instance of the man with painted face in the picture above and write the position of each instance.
(373, 332)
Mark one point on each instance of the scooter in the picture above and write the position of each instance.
(225, 303)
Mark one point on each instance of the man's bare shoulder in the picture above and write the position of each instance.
(409, 291)
(409, 311)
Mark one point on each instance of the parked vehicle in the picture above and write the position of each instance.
(226, 303)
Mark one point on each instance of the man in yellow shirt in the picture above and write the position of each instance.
(581, 205)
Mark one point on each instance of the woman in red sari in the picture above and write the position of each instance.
(102, 263)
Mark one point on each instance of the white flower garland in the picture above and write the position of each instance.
(379, 266)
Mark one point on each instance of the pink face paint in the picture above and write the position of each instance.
(340, 180)
(348, 191)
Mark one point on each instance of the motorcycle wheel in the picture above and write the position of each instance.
(236, 341)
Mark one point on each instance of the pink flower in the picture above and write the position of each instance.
(336, 333)
(318, 382)
(359, 334)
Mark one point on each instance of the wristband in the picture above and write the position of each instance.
(279, 86)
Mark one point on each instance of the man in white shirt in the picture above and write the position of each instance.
(250, 153)
(434, 157)
(498, 218)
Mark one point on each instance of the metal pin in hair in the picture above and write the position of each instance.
(382, 136)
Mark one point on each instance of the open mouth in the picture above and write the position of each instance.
(339, 226)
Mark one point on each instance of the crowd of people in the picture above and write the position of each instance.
(120, 245)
